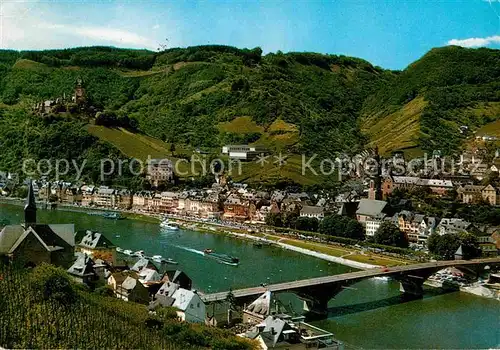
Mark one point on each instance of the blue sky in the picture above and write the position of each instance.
(390, 34)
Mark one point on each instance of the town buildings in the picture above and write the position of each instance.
(159, 172)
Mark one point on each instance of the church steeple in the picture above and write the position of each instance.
(30, 207)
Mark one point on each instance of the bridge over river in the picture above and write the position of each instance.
(316, 292)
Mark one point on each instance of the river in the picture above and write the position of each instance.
(371, 315)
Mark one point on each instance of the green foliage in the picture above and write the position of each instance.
(455, 82)
(274, 219)
(307, 224)
(445, 246)
(31, 318)
(53, 283)
(389, 234)
(27, 137)
(182, 95)
(98, 56)
(341, 226)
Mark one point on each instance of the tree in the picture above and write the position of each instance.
(289, 218)
(304, 223)
(390, 234)
(445, 246)
(274, 219)
(470, 245)
(341, 226)
(53, 283)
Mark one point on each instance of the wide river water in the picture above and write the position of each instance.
(370, 315)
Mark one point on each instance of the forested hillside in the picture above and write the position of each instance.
(207, 96)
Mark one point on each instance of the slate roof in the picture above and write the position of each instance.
(370, 207)
(129, 283)
(313, 210)
(82, 266)
(261, 305)
(95, 240)
(182, 298)
(168, 289)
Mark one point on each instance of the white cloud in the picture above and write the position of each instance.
(28, 25)
(475, 42)
(108, 35)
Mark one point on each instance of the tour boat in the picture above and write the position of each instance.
(223, 258)
(127, 252)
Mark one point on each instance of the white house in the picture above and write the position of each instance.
(243, 152)
(191, 306)
(312, 212)
(373, 224)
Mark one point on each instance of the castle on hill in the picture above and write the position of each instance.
(77, 102)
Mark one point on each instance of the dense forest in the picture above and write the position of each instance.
(206, 96)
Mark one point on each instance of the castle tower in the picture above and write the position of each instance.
(30, 207)
(79, 96)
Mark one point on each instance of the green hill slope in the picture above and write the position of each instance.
(430, 100)
(43, 308)
(294, 103)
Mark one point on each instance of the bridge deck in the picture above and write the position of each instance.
(359, 275)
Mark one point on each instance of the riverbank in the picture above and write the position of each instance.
(129, 214)
(247, 236)
(341, 255)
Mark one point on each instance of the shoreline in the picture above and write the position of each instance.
(330, 258)
(194, 224)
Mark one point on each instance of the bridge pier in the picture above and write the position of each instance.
(316, 299)
(412, 286)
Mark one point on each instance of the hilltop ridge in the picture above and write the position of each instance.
(297, 103)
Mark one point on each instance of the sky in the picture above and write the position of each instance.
(387, 33)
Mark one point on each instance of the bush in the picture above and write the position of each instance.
(53, 283)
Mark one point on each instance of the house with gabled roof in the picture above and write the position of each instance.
(82, 269)
(32, 243)
(97, 245)
(126, 286)
(370, 208)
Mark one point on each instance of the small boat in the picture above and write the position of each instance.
(119, 250)
(168, 226)
(127, 252)
(139, 253)
(113, 216)
(169, 261)
(223, 258)
(157, 258)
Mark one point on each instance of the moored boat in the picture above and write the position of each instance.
(127, 252)
(119, 250)
(157, 258)
(170, 261)
(113, 216)
(139, 253)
